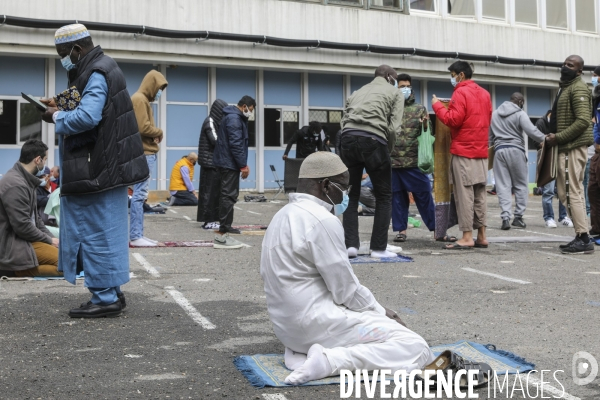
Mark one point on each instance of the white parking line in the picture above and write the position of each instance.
(252, 212)
(275, 396)
(144, 263)
(560, 394)
(237, 208)
(497, 276)
(189, 308)
(560, 255)
(173, 211)
(542, 233)
(186, 217)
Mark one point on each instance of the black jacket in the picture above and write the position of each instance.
(208, 134)
(306, 143)
(231, 151)
(113, 155)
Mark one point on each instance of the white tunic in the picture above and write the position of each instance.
(313, 295)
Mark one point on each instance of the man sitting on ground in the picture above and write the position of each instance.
(320, 312)
(27, 248)
(181, 186)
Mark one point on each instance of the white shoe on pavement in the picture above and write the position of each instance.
(383, 254)
(566, 221)
(226, 242)
(550, 223)
(150, 240)
(142, 242)
(352, 252)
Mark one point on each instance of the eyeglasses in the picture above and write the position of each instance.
(338, 184)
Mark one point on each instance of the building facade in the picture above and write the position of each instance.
(292, 85)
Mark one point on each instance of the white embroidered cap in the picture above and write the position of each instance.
(322, 164)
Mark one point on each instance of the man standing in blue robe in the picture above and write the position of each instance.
(101, 153)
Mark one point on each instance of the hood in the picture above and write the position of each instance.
(507, 109)
(233, 110)
(216, 110)
(596, 92)
(153, 81)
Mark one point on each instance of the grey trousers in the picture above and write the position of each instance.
(510, 172)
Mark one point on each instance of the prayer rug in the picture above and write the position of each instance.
(370, 260)
(250, 227)
(81, 275)
(269, 369)
(193, 243)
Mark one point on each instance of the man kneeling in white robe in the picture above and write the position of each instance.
(324, 317)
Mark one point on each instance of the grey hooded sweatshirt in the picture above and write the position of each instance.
(509, 122)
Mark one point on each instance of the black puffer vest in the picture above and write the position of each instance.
(210, 127)
(116, 157)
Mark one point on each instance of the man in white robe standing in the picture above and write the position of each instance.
(321, 313)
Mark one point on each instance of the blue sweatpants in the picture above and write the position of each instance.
(411, 180)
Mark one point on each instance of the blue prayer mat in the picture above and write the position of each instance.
(269, 369)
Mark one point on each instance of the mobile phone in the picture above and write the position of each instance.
(38, 104)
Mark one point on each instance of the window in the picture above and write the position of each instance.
(330, 121)
(556, 14)
(494, 9)
(278, 130)
(422, 5)
(395, 4)
(585, 15)
(526, 12)
(350, 2)
(19, 122)
(461, 8)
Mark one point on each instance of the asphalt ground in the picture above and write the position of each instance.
(156, 350)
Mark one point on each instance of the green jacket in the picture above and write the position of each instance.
(377, 108)
(406, 150)
(573, 113)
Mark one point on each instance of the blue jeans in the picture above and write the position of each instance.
(586, 181)
(105, 296)
(412, 180)
(548, 193)
(136, 210)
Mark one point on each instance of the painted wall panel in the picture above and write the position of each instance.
(22, 74)
(60, 76)
(356, 82)
(134, 74)
(183, 125)
(440, 89)
(273, 157)
(8, 158)
(187, 84)
(282, 88)
(503, 93)
(250, 182)
(233, 84)
(539, 101)
(325, 90)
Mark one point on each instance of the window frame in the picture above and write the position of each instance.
(401, 9)
(575, 28)
(436, 4)
(479, 3)
(282, 109)
(341, 109)
(476, 5)
(538, 13)
(346, 3)
(569, 8)
(18, 142)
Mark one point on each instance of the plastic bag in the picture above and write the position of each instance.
(425, 160)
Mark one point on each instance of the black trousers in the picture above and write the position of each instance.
(230, 190)
(594, 192)
(360, 153)
(208, 195)
(184, 198)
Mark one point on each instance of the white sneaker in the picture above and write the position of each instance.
(352, 252)
(566, 221)
(150, 240)
(214, 225)
(394, 249)
(226, 242)
(383, 254)
(142, 242)
(550, 223)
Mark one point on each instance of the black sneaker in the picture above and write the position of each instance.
(505, 224)
(579, 247)
(234, 231)
(519, 223)
(564, 246)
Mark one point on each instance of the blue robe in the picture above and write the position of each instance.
(93, 231)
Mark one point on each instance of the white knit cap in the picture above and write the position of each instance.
(70, 33)
(322, 164)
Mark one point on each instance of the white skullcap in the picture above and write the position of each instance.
(70, 33)
(322, 164)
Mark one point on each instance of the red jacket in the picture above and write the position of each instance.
(468, 117)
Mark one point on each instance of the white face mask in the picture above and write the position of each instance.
(247, 113)
(406, 91)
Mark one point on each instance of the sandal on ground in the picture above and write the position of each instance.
(448, 239)
(450, 361)
(401, 237)
(456, 246)
(480, 245)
